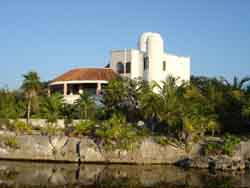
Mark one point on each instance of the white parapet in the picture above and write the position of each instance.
(70, 99)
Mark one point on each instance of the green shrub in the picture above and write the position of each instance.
(7, 124)
(84, 127)
(230, 143)
(50, 130)
(162, 140)
(116, 133)
(11, 142)
(22, 127)
(212, 148)
(227, 146)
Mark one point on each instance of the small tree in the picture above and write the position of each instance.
(149, 104)
(121, 95)
(172, 97)
(85, 105)
(11, 106)
(115, 94)
(52, 107)
(31, 85)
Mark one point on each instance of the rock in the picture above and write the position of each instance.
(140, 123)
(63, 148)
(196, 149)
(198, 162)
(185, 163)
(152, 152)
(247, 164)
(89, 151)
(43, 148)
(243, 150)
(147, 152)
(226, 163)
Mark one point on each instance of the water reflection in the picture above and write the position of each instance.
(26, 174)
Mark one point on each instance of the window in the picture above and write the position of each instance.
(164, 65)
(128, 67)
(120, 68)
(145, 62)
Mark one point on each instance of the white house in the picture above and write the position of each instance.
(149, 62)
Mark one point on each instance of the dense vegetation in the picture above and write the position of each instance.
(131, 109)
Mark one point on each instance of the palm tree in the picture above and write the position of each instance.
(9, 105)
(172, 102)
(149, 103)
(85, 104)
(115, 94)
(237, 83)
(52, 107)
(31, 85)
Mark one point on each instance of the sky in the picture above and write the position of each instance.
(52, 37)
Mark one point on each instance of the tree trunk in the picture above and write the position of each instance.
(85, 112)
(152, 123)
(28, 111)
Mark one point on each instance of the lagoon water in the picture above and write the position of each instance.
(30, 174)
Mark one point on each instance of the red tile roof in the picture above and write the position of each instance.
(87, 74)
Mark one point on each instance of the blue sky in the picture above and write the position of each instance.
(52, 37)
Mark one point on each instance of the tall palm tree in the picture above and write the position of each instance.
(85, 104)
(31, 86)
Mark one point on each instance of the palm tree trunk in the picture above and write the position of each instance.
(85, 113)
(28, 111)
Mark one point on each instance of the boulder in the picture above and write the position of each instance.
(226, 163)
(88, 151)
(146, 152)
(198, 162)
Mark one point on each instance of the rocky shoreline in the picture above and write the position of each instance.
(85, 150)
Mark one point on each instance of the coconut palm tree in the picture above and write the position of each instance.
(149, 105)
(52, 107)
(115, 94)
(30, 86)
(237, 84)
(85, 104)
(172, 101)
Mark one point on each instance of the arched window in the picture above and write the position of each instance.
(120, 68)
(128, 67)
(164, 65)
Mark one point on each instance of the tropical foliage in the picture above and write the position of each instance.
(52, 107)
(31, 86)
(226, 146)
(84, 127)
(117, 133)
(171, 109)
(85, 105)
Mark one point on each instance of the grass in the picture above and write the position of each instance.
(11, 142)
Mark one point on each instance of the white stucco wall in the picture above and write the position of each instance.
(151, 45)
(136, 64)
(119, 56)
(155, 50)
(178, 67)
